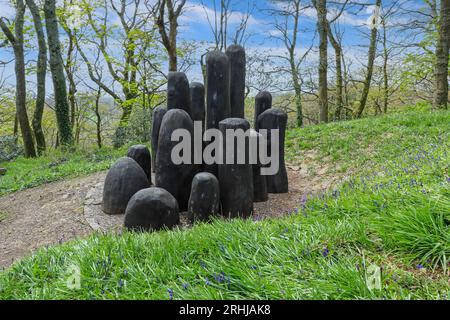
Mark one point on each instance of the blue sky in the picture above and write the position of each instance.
(195, 26)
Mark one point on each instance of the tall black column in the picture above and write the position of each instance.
(178, 92)
(217, 94)
(269, 120)
(259, 181)
(198, 110)
(158, 115)
(217, 89)
(175, 178)
(236, 180)
(236, 56)
(263, 102)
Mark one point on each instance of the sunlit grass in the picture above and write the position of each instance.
(393, 214)
(25, 173)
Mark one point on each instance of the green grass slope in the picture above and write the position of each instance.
(392, 215)
(28, 173)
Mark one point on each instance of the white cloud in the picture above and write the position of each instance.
(7, 9)
(197, 13)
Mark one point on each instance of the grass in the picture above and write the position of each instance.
(352, 145)
(393, 213)
(2, 216)
(28, 173)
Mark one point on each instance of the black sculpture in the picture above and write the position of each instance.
(178, 92)
(175, 178)
(259, 181)
(236, 57)
(158, 115)
(204, 201)
(141, 155)
(236, 181)
(198, 102)
(217, 89)
(123, 180)
(276, 119)
(263, 102)
(152, 209)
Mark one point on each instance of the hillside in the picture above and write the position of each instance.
(390, 212)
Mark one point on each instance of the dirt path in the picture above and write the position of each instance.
(53, 213)
(43, 216)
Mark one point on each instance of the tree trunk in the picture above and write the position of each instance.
(16, 125)
(16, 41)
(295, 72)
(70, 77)
(442, 52)
(172, 51)
(169, 37)
(41, 76)
(299, 107)
(385, 70)
(99, 119)
(322, 22)
(339, 78)
(297, 88)
(57, 70)
(371, 60)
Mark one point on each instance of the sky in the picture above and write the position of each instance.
(194, 26)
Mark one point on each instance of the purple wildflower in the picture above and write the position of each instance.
(303, 201)
(220, 277)
(325, 252)
(257, 218)
(336, 194)
(170, 291)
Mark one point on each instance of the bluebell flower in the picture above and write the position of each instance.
(303, 201)
(336, 194)
(325, 252)
(170, 291)
(220, 277)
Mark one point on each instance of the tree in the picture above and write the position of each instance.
(336, 43)
(442, 56)
(58, 77)
(17, 42)
(70, 62)
(129, 67)
(169, 31)
(371, 60)
(287, 21)
(322, 27)
(40, 75)
(222, 31)
(387, 16)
